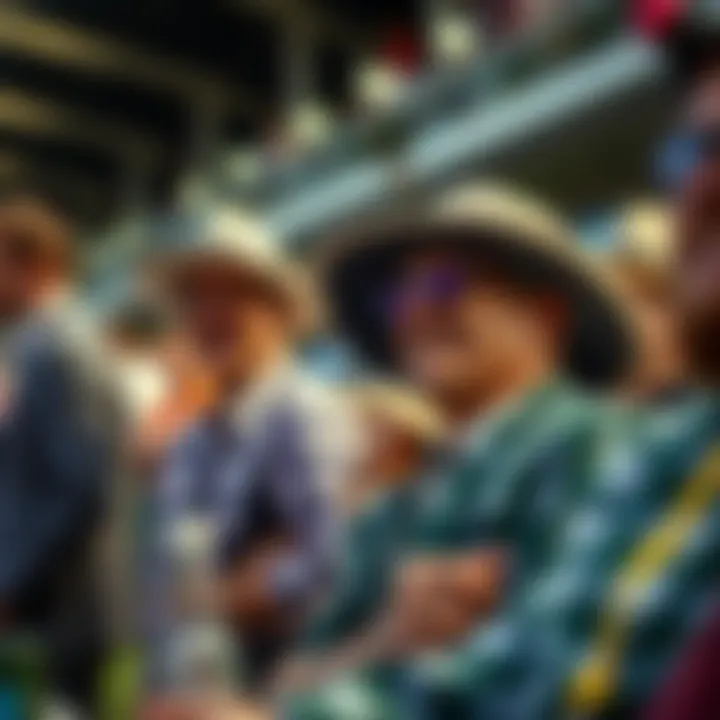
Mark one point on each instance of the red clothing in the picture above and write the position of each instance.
(693, 690)
(656, 18)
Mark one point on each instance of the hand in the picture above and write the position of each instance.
(479, 577)
(438, 599)
(170, 708)
(422, 608)
(245, 593)
(219, 708)
(297, 674)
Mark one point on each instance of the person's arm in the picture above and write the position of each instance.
(520, 664)
(337, 635)
(282, 579)
(66, 453)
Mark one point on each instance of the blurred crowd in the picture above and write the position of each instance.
(512, 514)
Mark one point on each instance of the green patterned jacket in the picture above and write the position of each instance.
(636, 568)
(510, 483)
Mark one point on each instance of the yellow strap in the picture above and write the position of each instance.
(594, 683)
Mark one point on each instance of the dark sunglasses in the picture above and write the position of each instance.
(684, 152)
(436, 286)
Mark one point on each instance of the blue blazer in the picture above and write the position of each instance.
(59, 443)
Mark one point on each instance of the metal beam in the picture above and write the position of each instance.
(28, 115)
(82, 189)
(300, 13)
(99, 54)
(11, 164)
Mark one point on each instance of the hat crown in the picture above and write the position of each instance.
(232, 229)
(495, 206)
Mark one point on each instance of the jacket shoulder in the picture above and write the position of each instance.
(69, 350)
(318, 414)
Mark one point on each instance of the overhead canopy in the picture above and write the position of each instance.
(105, 101)
(580, 134)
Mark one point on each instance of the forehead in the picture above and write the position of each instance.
(424, 260)
(455, 262)
(704, 100)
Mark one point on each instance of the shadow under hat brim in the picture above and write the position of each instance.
(357, 271)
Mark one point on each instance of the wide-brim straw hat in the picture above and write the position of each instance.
(530, 242)
(239, 242)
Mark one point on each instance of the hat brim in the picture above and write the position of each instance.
(600, 347)
(285, 279)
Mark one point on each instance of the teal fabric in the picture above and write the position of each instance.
(509, 484)
(528, 662)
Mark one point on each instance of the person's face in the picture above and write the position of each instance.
(230, 318)
(699, 210)
(458, 327)
(23, 268)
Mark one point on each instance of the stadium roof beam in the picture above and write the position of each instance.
(87, 196)
(28, 115)
(301, 14)
(74, 48)
(11, 164)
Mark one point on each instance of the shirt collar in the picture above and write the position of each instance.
(480, 431)
(484, 424)
(57, 309)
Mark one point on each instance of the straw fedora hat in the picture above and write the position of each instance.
(404, 407)
(241, 242)
(644, 250)
(494, 223)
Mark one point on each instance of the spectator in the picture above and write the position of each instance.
(60, 442)
(446, 299)
(642, 262)
(636, 571)
(692, 690)
(404, 431)
(257, 464)
(400, 430)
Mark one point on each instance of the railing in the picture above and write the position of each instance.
(439, 95)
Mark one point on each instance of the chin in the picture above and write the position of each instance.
(446, 388)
